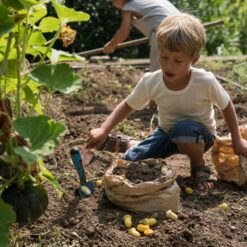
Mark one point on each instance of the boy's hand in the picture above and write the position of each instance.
(109, 48)
(240, 147)
(96, 137)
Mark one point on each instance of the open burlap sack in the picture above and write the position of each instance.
(161, 194)
(229, 166)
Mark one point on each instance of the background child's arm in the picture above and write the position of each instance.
(121, 34)
(98, 136)
(239, 144)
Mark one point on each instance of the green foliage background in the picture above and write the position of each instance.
(229, 38)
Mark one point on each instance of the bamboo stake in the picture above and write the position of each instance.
(139, 41)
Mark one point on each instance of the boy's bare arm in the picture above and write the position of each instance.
(98, 136)
(230, 116)
(121, 34)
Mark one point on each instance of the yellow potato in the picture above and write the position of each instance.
(148, 232)
(142, 227)
(99, 182)
(127, 220)
(171, 215)
(134, 233)
(150, 221)
(223, 206)
(188, 190)
(86, 190)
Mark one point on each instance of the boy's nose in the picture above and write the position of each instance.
(169, 64)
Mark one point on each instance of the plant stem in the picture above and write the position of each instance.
(18, 70)
(5, 64)
(53, 40)
(47, 103)
(7, 183)
(36, 100)
(24, 44)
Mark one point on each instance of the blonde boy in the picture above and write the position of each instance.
(184, 96)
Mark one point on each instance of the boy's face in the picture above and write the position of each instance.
(118, 3)
(176, 65)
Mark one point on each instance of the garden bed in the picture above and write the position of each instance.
(94, 221)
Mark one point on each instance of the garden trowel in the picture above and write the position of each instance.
(86, 187)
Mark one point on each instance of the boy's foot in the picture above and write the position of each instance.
(201, 176)
(117, 144)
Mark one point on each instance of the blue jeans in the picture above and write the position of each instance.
(162, 144)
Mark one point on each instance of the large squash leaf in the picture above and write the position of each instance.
(28, 3)
(67, 15)
(7, 217)
(49, 24)
(37, 12)
(16, 4)
(59, 77)
(62, 56)
(41, 132)
(6, 22)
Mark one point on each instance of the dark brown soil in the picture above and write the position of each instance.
(94, 221)
(139, 172)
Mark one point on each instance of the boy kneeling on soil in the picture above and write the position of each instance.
(184, 96)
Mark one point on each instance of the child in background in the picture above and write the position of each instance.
(184, 96)
(145, 15)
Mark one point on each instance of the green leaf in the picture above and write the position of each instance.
(26, 155)
(16, 4)
(30, 96)
(41, 132)
(36, 38)
(28, 3)
(37, 12)
(11, 84)
(39, 50)
(59, 56)
(49, 24)
(7, 217)
(50, 178)
(11, 68)
(6, 22)
(67, 15)
(59, 77)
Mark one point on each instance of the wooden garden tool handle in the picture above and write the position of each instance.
(139, 41)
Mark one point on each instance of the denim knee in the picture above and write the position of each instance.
(190, 131)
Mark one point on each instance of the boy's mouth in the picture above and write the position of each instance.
(169, 74)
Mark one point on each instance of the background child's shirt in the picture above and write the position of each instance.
(152, 12)
(194, 102)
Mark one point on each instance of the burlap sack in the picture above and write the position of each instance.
(152, 196)
(229, 166)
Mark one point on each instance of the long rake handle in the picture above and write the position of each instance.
(139, 41)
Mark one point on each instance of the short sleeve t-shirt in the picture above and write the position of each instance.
(194, 102)
(152, 12)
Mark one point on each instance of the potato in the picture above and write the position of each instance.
(127, 220)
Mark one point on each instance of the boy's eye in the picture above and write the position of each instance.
(178, 61)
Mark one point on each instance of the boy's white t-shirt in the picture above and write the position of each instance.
(194, 102)
(152, 12)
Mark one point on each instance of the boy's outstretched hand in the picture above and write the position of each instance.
(96, 137)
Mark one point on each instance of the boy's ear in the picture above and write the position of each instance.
(195, 59)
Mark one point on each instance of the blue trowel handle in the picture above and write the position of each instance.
(77, 162)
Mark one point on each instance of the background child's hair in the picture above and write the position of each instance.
(181, 32)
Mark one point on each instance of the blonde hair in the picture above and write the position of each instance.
(181, 32)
